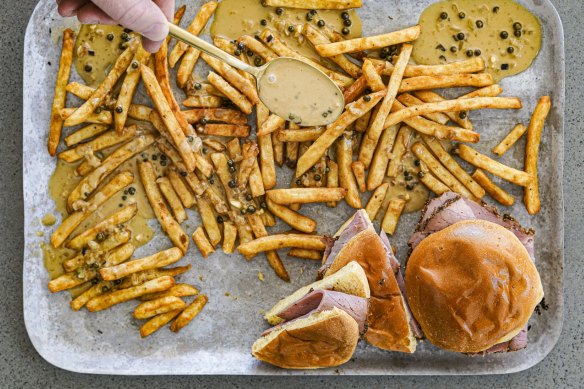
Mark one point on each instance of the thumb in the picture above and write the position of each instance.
(142, 16)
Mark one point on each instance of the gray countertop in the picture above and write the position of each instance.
(21, 366)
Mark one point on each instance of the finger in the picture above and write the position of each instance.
(142, 16)
(167, 7)
(68, 8)
(151, 46)
(90, 14)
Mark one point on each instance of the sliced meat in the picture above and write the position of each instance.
(519, 342)
(325, 300)
(395, 266)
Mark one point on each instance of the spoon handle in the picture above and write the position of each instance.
(195, 41)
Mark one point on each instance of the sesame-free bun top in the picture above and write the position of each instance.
(472, 286)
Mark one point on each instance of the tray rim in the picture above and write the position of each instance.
(72, 367)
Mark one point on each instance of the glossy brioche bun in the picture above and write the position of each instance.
(471, 286)
(323, 339)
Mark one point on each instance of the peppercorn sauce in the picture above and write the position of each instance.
(502, 32)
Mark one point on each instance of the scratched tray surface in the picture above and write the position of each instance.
(220, 339)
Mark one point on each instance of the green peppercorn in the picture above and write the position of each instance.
(230, 162)
(243, 211)
(264, 22)
(204, 121)
(198, 86)
(163, 157)
(279, 11)
(417, 162)
(324, 114)
(263, 205)
(220, 219)
(251, 209)
(345, 15)
(232, 184)
(327, 170)
(258, 61)
(232, 169)
(460, 36)
(321, 23)
(345, 31)
(135, 64)
(496, 9)
(461, 15)
(249, 53)
(443, 16)
(421, 174)
(132, 191)
(348, 23)
(124, 198)
(119, 109)
(480, 24)
(211, 181)
(505, 66)
(510, 49)
(100, 237)
(518, 33)
(163, 163)
(317, 177)
(367, 98)
(313, 169)
(237, 52)
(411, 186)
(313, 12)
(249, 197)
(309, 17)
(384, 52)
(454, 49)
(125, 36)
(123, 46)
(110, 37)
(298, 182)
(517, 26)
(98, 110)
(88, 68)
(190, 139)
(291, 28)
(477, 53)
(463, 115)
(504, 35)
(240, 46)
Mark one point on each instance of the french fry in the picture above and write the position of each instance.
(273, 123)
(488, 91)
(167, 222)
(453, 106)
(267, 218)
(229, 116)
(190, 312)
(362, 123)
(239, 82)
(85, 133)
(233, 94)
(492, 189)
(229, 237)
(369, 43)
(278, 147)
(292, 149)
(410, 100)
(346, 177)
(249, 158)
(113, 241)
(332, 178)
(152, 308)
(359, 172)
(157, 322)
(172, 199)
(203, 102)
(431, 182)
(510, 140)
(148, 275)
(373, 78)
(357, 88)
(103, 117)
(256, 184)
(317, 38)
(316, 4)
(178, 290)
(195, 88)
(277, 242)
(392, 215)
(196, 26)
(335, 130)
(259, 231)
(63, 75)
(209, 220)
(200, 239)
(267, 163)
(309, 134)
(376, 201)
(305, 195)
(438, 82)
(108, 224)
(531, 196)
(481, 161)
(292, 218)
(104, 141)
(433, 97)
(186, 197)
(380, 162)
(257, 47)
(474, 65)
(158, 260)
(376, 126)
(73, 221)
(139, 112)
(312, 255)
(453, 166)
(120, 296)
(400, 147)
(129, 88)
(82, 113)
(228, 130)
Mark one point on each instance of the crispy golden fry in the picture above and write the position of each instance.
(488, 91)
(453, 166)
(277, 242)
(233, 94)
(120, 296)
(259, 231)
(73, 221)
(292, 218)
(228, 130)
(474, 65)
(292, 150)
(510, 140)
(454, 106)
(359, 172)
(82, 113)
(200, 239)
(108, 224)
(178, 290)
(96, 290)
(202, 89)
(196, 26)
(312, 255)
(317, 38)
(267, 163)
(152, 308)
(113, 241)
(167, 222)
(189, 313)
(492, 189)
(85, 133)
(257, 47)
(209, 220)
(356, 89)
(103, 117)
(392, 215)
(431, 182)
(332, 178)
(540, 114)
(250, 152)
(380, 162)
(308, 134)
(376, 126)
(305, 195)
(158, 260)
(278, 147)
(178, 15)
(376, 201)
(410, 100)
(267, 218)
(63, 75)
(399, 149)
(334, 130)
(139, 112)
(104, 141)
(437, 82)
(433, 97)
(129, 88)
(369, 43)
(256, 184)
(82, 91)
(232, 76)
(481, 161)
(229, 237)
(316, 4)
(203, 102)
(346, 178)
(172, 199)
(148, 275)
(271, 39)
(229, 116)
(362, 123)
(273, 123)
(157, 322)
(186, 197)
(372, 76)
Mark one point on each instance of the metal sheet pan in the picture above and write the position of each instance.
(219, 341)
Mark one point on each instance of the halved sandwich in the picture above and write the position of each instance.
(390, 323)
(319, 325)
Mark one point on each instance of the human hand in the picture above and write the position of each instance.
(146, 17)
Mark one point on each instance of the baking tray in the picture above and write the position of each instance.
(219, 340)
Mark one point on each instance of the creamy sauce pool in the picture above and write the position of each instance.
(502, 32)
(234, 18)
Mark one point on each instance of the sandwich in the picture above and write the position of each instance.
(390, 325)
(471, 282)
(319, 325)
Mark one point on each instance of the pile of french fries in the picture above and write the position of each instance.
(218, 167)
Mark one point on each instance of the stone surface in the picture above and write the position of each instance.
(21, 366)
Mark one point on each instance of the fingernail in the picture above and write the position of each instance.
(156, 31)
